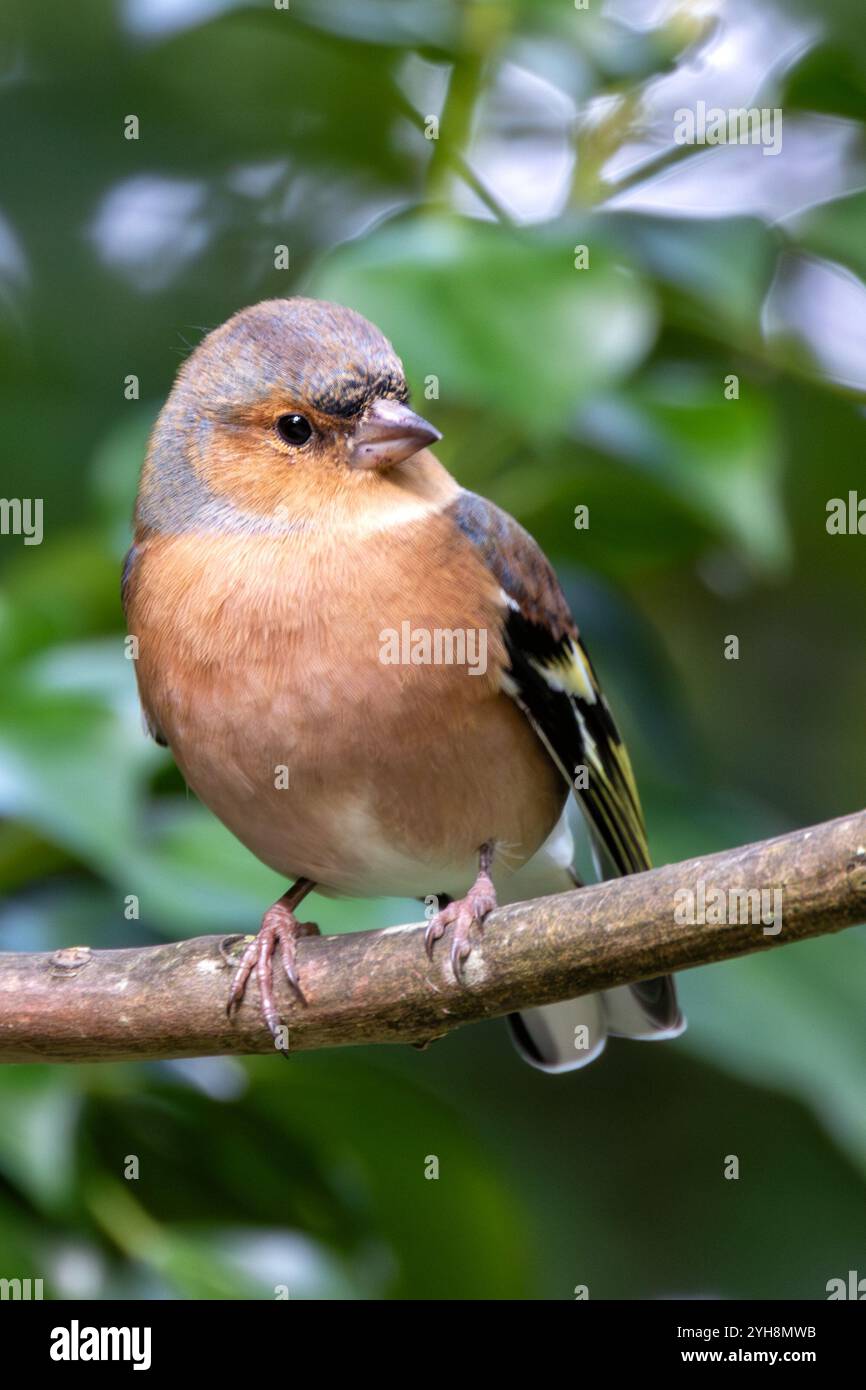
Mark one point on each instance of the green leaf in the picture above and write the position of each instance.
(68, 768)
(839, 22)
(721, 266)
(39, 1111)
(835, 230)
(60, 592)
(829, 79)
(793, 1018)
(720, 457)
(326, 1164)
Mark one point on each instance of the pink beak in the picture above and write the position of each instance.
(387, 433)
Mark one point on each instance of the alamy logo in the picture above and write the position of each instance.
(715, 907)
(846, 516)
(437, 646)
(854, 1287)
(20, 1289)
(76, 1343)
(22, 516)
(738, 126)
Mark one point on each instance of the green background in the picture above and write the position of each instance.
(557, 387)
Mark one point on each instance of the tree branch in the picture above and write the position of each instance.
(169, 1001)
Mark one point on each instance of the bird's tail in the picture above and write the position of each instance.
(563, 1037)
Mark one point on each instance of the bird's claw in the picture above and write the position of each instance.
(435, 928)
(464, 914)
(280, 928)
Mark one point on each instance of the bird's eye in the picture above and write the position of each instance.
(294, 429)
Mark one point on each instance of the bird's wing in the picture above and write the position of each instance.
(551, 678)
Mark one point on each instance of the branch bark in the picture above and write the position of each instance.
(373, 987)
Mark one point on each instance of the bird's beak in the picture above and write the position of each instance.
(387, 433)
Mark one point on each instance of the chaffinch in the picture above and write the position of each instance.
(369, 674)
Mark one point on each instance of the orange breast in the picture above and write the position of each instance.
(268, 664)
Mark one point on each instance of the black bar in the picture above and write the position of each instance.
(261, 1338)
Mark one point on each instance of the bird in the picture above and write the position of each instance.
(368, 673)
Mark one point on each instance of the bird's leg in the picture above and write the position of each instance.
(280, 927)
(465, 913)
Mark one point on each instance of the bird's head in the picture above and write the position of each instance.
(290, 404)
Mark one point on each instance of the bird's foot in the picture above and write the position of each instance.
(464, 914)
(280, 928)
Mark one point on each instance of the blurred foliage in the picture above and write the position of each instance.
(557, 387)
